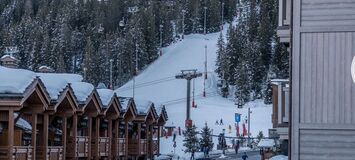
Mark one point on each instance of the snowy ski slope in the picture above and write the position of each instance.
(157, 83)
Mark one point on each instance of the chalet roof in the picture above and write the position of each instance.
(162, 111)
(124, 101)
(143, 106)
(6, 56)
(106, 96)
(56, 83)
(15, 81)
(82, 90)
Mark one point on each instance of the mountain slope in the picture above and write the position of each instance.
(157, 83)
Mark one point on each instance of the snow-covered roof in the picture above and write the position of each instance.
(15, 80)
(56, 82)
(279, 157)
(279, 81)
(161, 111)
(124, 102)
(21, 123)
(105, 96)
(82, 90)
(8, 56)
(266, 143)
(143, 106)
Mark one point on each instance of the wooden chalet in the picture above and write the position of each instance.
(53, 116)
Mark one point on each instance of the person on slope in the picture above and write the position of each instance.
(221, 122)
(236, 147)
(245, 156)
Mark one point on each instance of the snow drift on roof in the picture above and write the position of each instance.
(124, 102)
(267, 143)
(143, 106)
(21, 123)
(105, 96)
(82, 90)
(15, 80)
(55, 83)
(8, 56)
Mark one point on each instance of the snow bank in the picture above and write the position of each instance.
(105, 96)
(266, 143)
(279, 157)
(82, 90)
(15, 80)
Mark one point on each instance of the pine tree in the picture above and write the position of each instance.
(191, 142)
(260, 136)
(206, 137)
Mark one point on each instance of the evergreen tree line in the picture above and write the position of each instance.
(82, 36)
(251, 53)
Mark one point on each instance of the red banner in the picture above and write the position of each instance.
(244, 130)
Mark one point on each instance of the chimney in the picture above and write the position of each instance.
(8, 60)
(45, 69)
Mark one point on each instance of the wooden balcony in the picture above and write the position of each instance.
(136, 147)
(104, 146)
(118, 147)
(154, 147)
(18, 153)
(284, 28)
(78, 146)
(52, 153)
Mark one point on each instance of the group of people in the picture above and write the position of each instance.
(220, 122)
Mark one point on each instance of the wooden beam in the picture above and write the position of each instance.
(139, 138)
(90, 136)
(159, 139)
(74, 130)
(64, 136)
(126, 139)
(10, 133)
(45, 135)
(34, 135)
(110, 138)
(97, 136)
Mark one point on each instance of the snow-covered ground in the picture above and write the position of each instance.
(157, 83)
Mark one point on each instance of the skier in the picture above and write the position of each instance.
(245, 156)
(192, 156)
(229, 129)
(221, 122)
(236, 147)
(217, 122)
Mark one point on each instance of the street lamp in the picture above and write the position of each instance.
(222, 16)
(161, 39)
(204, 22)
(183, 23)
(111, 85)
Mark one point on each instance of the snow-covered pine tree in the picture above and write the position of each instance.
(191, 142)
(260, 136)
(206, 137)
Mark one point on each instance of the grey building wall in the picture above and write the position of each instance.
(323, 93)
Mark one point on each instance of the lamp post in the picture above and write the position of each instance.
(204, 21)
(111, 85)
(183, 23)
(161, 39)
(222, 16)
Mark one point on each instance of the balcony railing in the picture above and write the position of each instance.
(104, 146)
(121, 146)
(137, 148)
(18, 153)
(284, 30)
(118, 147)
(143, 146)
(155, 147)
(281, 103)
(52, 153)
(78, 146)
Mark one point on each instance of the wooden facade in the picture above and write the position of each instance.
(323, 93)
(68, 128)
